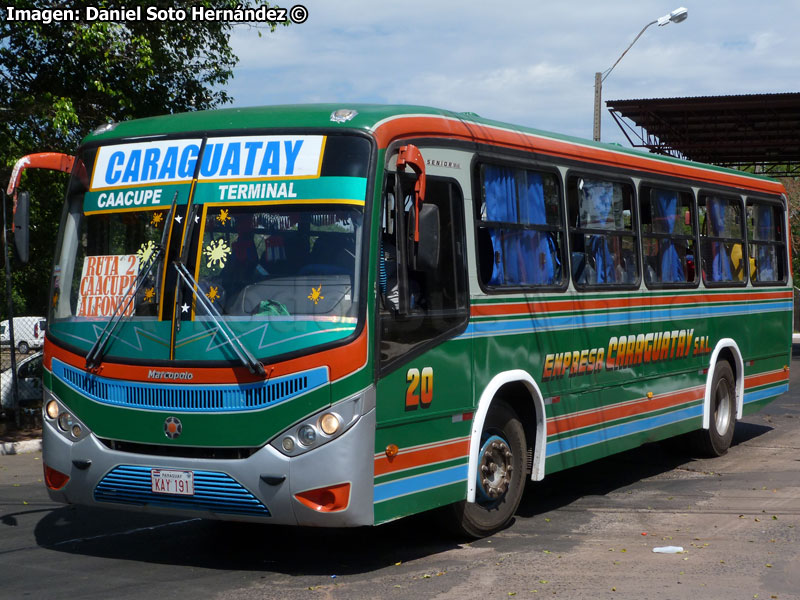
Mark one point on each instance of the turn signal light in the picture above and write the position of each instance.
(55, 480)
(328, 499)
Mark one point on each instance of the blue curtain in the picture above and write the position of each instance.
(671, 267)
(527, 257)
(541, 257)
(501, 205)
(596, 205)
(720, 264)
(765, 255)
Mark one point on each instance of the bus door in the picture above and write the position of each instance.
(425, 380)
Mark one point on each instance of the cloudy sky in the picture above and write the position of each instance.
(527, 62)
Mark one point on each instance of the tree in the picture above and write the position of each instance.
(792, 185)
(61, 79)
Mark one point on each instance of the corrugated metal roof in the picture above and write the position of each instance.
(737, 130)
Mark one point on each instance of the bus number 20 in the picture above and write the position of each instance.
(420, 388)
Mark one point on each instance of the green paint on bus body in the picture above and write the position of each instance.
(637, 360)
(243, 429)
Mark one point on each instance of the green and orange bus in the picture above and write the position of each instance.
(342, 315)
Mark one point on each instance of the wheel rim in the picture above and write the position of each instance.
(495, 469)
(722, 408)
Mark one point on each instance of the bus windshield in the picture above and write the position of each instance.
(272, 262)
(280, 261)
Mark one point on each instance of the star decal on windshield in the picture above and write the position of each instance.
(315, 296)
(213, 293)
(224, 216)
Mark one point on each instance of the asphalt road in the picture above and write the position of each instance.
(586, 533)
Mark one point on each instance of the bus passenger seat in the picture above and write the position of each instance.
(650, 274)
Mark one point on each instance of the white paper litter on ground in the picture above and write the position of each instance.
(668, 549)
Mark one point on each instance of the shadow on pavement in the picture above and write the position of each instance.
(165, 540)
(619, 471)
(240, 546)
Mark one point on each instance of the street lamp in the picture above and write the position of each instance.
(676, 16)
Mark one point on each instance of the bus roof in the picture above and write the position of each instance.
(386, 122)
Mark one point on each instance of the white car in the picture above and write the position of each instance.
(29, 382)
(28, 333)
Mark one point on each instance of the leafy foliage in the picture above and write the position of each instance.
(792, 185)
(62, 79)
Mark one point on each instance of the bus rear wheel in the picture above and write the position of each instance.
(716, 440)
(500, 479)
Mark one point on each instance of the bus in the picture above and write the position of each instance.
(343, 315)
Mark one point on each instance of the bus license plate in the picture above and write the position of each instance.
(180, 483)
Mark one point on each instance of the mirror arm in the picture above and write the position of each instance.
(410, 156)
(54, 161)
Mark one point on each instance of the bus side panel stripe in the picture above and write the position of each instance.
(618, 431)
(576, 304)
(765, 393)
(575, 421)
(411, 458)
(420, 483)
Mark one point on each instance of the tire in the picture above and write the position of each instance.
(501, 476)
(23, 347)
(716, 440)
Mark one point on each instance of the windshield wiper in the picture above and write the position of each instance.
(95, 355)
(236, 344)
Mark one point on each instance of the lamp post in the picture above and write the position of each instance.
(676, 16)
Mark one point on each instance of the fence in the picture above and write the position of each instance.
(21, 341)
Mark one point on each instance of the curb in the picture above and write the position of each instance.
(25, 447)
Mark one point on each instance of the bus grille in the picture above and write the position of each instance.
(213, 491)
(187, 397)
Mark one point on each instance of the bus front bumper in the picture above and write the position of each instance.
(329, 486)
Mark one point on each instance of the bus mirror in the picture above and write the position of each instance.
(424, 254)
(21, 225)
(410, 156)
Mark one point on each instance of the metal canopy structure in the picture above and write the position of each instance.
(759, 132)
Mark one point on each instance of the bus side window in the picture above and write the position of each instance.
(722, 240)
(766, 240)
(602, 235)
(668, 236)
(520, 231)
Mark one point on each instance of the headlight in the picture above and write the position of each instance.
(66, 423)
(322, 427)
(307, 435)
(329, 423)
(51, 409)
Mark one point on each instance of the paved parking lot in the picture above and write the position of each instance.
(586, 533)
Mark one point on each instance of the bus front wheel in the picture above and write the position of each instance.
(716, 440)
(500, 479)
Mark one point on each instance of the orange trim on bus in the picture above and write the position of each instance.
(573, 304)
(341, 361)
(412, 126)
(751, 381)
(418, 457)
(607, 414)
